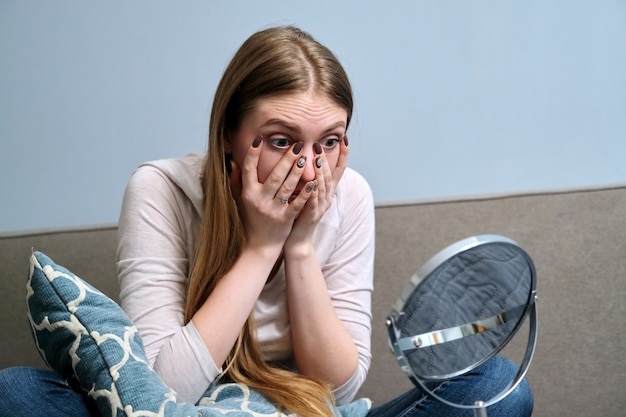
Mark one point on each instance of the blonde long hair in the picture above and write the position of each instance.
(273, 61)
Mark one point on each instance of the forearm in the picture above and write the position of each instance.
(323, 348)
(185, 365)
(227, 308)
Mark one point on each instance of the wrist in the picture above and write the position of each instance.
(265, 252)
(299, 250)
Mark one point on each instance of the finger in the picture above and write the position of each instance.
(342, 162)
(327, 183)
(249, 174)
(288, 186)
(284, 177)
(321, 170)
(312, 190)
(306, 197)
(324, 177)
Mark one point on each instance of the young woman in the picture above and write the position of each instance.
(257, 259)
(254, 263)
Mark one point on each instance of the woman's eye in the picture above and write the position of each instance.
(330, 143)
(281, 143)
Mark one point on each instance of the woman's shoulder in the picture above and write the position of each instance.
(171, 178)
(182, 169)
(354, 196)
(353, 186)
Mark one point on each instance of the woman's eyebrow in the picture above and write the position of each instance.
(282, 123)
(336, 125)
(295, 128)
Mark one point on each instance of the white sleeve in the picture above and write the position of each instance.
(155, 245)
(349, 274)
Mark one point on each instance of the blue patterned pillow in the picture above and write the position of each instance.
(82, 333)
(238, 400)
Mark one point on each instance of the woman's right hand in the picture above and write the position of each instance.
(268, 208)
(267, 222)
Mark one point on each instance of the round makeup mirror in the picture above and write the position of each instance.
(460, 309)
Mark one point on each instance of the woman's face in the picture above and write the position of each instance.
(284, 120)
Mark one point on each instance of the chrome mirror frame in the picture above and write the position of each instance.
(401, 344)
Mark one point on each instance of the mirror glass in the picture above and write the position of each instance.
(462, 307)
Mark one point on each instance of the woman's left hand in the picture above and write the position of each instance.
(323, 347)
(325, 186)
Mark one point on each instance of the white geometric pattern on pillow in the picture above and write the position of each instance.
(237, 400)
(83, 334)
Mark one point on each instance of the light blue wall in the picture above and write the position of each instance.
(454, 98)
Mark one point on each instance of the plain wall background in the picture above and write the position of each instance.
(453, 98)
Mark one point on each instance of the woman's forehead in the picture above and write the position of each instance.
(293, 109)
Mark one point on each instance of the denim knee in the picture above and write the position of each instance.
(521, 399)
(518, 402)
(31, 392)
(13, 389)
(483, 383)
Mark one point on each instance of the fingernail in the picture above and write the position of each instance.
(301, 161)
(345, 139)
(257, 141)
(318, 162)
(298, 147)
(317, 148)
(311, 185)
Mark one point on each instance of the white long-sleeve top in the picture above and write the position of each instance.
(159, 228)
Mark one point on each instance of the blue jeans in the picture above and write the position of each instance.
(35, 392)
(483, 383)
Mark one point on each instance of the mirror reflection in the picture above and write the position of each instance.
(463, 307)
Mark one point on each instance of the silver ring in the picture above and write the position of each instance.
(283, 200)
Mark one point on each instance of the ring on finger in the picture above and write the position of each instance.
(284, 200)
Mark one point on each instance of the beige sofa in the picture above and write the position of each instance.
(576, 238)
